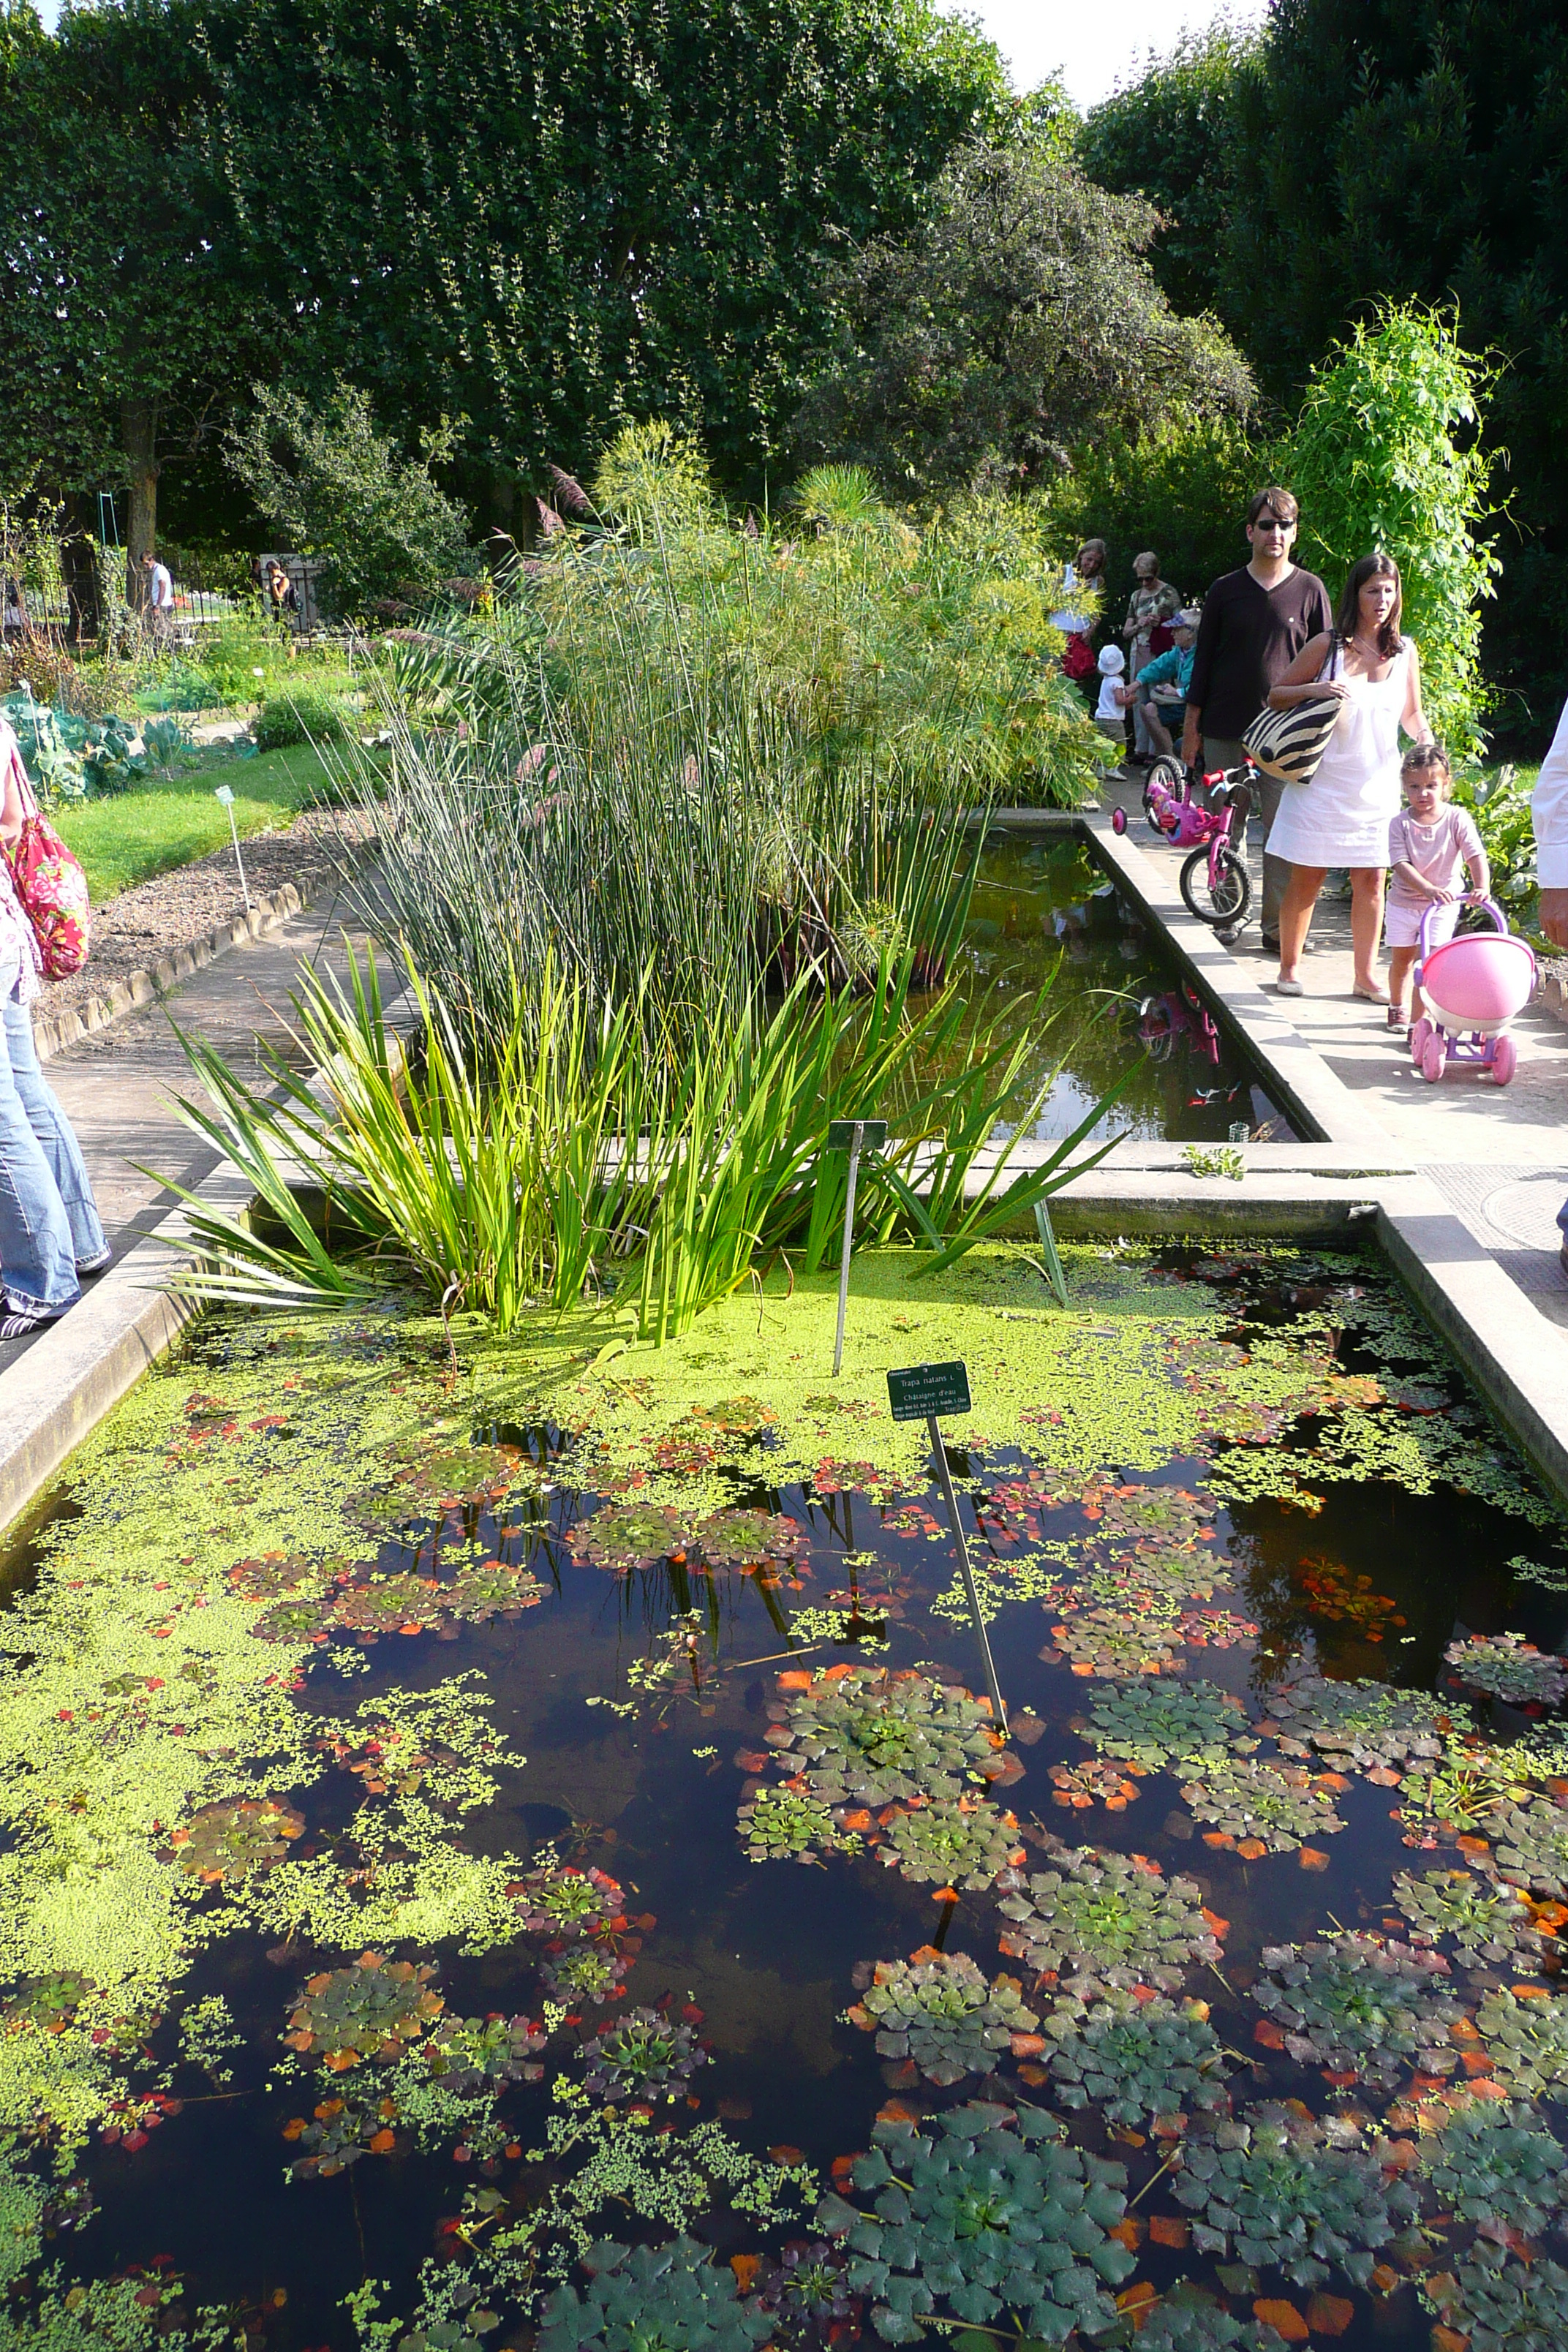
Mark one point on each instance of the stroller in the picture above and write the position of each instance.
(1473, 986)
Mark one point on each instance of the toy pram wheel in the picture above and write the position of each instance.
(1119, 820)
(1505, 1061)
(1433, 1057)
(1418, 1036)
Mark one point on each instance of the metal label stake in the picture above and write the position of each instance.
(224, 798)
(924, 1393)
(854, 1136)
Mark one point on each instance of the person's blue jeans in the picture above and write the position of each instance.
(48, 1220)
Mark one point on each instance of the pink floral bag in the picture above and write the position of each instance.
(50, 884)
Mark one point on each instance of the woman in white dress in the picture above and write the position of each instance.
(1341, 817)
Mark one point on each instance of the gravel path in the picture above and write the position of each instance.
(130, 932)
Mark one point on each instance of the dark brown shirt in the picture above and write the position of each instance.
(1247, 640)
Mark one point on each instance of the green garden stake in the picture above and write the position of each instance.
(924, 1392)
(854, 1136)
(1054, 1274)
(224, 798)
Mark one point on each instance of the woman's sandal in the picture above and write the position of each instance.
(1371, 995)
(1288, 988)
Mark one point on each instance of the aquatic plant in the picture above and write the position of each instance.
(338, 2132)
(399, 1603)
(482, 2053)
(487, 1589)
(1159, 1571)
(868, 1738)
(1110, 1642)
(223, 1843)
(1462, 1791)
(986, 2210)
(766, 1542)
(1134, 2057)
(277, 1572)
(1160, 1725)
(373, 2009)
(1507, 1667)
(560, 1900)
(1502, 2304)
(1526, 2038)
(940, 2010)
(1166, 1515)
(1331, 1591)
(808, 2296)
(1107, 1918)
(1365, 1725)
(645, 2054)
(1268, 2189)
(964, 1844)
(669, 2298)
(1078, 1786)
(625, 1536)
(1360, 2007)
(1486, 1923)
(583, 1972)
(440, 1466)
(1187, 2318)
(1530, 1842)
(789, 1823)
(1491, 2166)
(1262, 1807)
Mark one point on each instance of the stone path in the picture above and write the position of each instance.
(1498, 1155)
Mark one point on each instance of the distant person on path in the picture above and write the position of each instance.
(1086, 571)
(1549, 813)
(1430, 843)
(1158, 690)
(50, 1234)
(1341, 817)
(1153, 604)
(159, 589)
(281, 594)
(1255, 621)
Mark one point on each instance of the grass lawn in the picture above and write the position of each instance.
(166, 822)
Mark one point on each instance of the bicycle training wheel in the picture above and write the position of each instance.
(1232, 893)
(1169, 775)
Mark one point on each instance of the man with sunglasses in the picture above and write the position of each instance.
(1255, 621)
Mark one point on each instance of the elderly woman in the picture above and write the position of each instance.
(1153, 604)
(1342, 816)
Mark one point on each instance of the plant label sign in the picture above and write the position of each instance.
(928, 1392)
(857, 1134)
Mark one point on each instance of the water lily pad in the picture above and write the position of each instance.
(1134, 2058)
(1272, 1808)
(1271, 2190)
(1362, 2006)
(1106, 1919)
(224, 1843)
(482, 2054)
(790, 1823)
(627, 1536)
(940, 2011)
(373, 2009)
(645, 2054)
(952, 1845)
(1112, 1643)
(1507, 1667)
(565, 1901)
(338, 2132)
(864, 1738)
(669, 2298)
(1161, 1725)
(1365, 1725)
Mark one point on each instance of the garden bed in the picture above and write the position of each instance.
(471, 1801)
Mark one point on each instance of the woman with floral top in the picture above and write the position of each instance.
(1152, 606)
(50, 1234)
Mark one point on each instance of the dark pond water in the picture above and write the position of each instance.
(643, 1701)
(1043, 911)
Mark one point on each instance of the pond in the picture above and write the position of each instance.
(1045, 912)
(469, 1806)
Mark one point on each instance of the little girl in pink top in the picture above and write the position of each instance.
(1428, 843)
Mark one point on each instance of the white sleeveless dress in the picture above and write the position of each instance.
(1342, 817)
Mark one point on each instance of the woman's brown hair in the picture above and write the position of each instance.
(1347, 618)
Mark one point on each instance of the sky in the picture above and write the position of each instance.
(1093, 49)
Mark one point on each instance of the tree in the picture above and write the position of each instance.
(338, 488)
(1169, 137)
(1014, 317)
(1376, 465)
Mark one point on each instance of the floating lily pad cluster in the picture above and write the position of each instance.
(1134, 2057)
(984, 2211)
(277, 1572)
(224, 1843)
(1076, 1787)
(1486, 1923)
(1162, 1725)
(958, 1844)
(790, 1824)
(1507, 1667)
(1360, 2007)
(1493, 2167)
(1111, 1642)
(485, 2053)
(1530, 1845)
(338, 2132)
(367, 1606)
(646, 2054)
(1502, 2304)
(1269, 2189)
(1263, 1808)
(864, 1738)
(940, 2011)
(1462, 1791)
(1153, 1570)
(627, 1536)
(1163, 1514)
(669, 2298)
(440, 1466)
(1107, 1918)
(1527, 2041)
(808, 2297)
(373, 2009)
(1365, 1726)
(1190, 2319)
(583, 1972)
(564, 1901)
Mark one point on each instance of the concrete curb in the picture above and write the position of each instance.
(52, 1035)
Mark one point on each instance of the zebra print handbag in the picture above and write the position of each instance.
(1289, 744)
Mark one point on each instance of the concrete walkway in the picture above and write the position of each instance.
(1498, 1155)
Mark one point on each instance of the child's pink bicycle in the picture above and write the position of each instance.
(1216, 884)
(1473, 986)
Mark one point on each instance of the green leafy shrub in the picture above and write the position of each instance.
(302, 716)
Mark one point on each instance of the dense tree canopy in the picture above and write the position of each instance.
(1012, 318)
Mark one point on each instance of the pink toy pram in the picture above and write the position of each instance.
(1473, 986)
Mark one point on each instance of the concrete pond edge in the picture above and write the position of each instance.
(1348, 1184)
(53, 1033)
